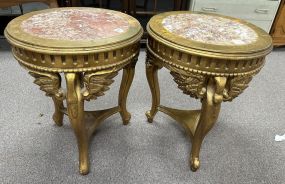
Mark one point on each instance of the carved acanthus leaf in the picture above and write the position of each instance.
(49, 83)
(236, 86)
(97, 84)
(191, 84)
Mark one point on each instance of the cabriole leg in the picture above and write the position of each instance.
(75, 109)
(152, 78)
(127, 79)
(211, 105)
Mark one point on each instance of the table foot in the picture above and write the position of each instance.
(126, 118)
(58, 120)
(194, 163)
(149, 116)
(83, 147)
(84, 169)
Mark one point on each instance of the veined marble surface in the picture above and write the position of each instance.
(76, 24)
(209, 29)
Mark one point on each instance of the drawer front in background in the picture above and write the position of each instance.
(4, 11)
(264, 24)
(13, 10)
(244, 9)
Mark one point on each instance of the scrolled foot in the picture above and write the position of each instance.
(194, 164)
(126, 118)
(83, 169)
(58, 119)
(149, 116)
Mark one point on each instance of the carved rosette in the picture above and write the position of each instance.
(96, 84)
(49, 83)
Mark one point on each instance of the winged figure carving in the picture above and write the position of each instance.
(191, 84)
(236, 86)
(97, 84)
(48, 82)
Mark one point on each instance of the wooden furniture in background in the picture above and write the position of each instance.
(17, 9)
(135, 9)
(51, 3)
(132, 7)
(258, 12)
(101, 4)
(278, 29)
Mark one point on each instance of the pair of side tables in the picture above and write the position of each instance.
(211, 57)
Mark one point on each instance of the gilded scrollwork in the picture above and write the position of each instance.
(191, 84)
(97, 83)
(49, 83)
(236, 86)
(149, 60)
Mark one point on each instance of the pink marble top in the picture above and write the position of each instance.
(76, 24)
(209, 29)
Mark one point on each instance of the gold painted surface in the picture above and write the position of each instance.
(211, 73)
(89, 69)
(73, 56)
(23, 39)
(198, 63)
(261, 46)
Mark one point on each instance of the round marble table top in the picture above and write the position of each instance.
(206, 32)
(209, 29)
(76, 24)
(74, 28)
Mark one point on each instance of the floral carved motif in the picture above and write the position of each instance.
(191, 84)
(49, 83)
(97, 84)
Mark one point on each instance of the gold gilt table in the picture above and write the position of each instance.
(89, 46)
(211, 57)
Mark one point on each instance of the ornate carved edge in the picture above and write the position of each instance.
(84, 69)
(187, 69)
